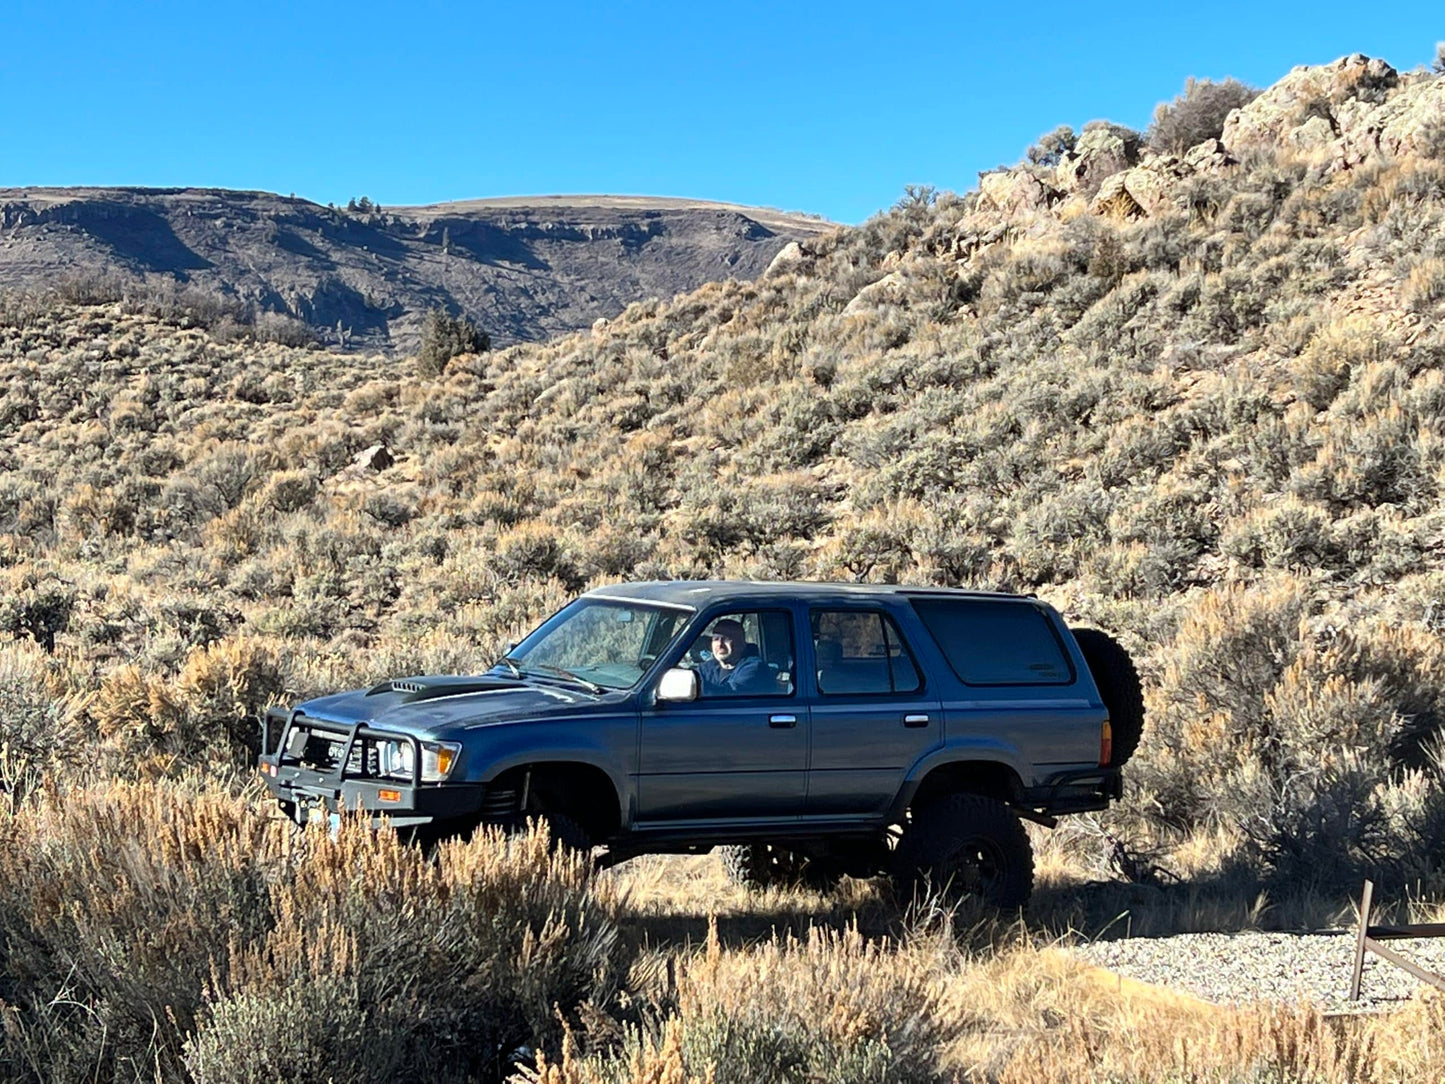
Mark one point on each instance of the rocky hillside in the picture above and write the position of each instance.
(1198, 399)
(521, 269)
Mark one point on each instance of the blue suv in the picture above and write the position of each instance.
(811, 730)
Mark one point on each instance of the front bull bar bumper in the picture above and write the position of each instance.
(349, 784)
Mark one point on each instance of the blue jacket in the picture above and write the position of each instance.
(749, 677)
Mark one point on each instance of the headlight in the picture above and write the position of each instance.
(397, 758)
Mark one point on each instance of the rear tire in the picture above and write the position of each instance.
(966, 845)
(1119, 687)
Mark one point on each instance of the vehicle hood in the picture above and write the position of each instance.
(445, 706)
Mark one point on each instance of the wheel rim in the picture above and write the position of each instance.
(978, 867)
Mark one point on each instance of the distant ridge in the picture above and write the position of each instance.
(524, 268)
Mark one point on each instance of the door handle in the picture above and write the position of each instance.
(781, 722)
(915, 720)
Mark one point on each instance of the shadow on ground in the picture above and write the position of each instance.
(663, 914)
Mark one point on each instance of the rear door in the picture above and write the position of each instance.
(740, 751)
(873, 712)
(1018, 683)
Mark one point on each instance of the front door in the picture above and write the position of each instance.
(740, 751)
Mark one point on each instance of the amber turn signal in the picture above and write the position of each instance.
(1106, 744)
(389, 795)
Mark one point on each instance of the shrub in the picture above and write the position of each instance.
(1208, 718)
(38, 723)
(136, 715)
(382, 960)
(1339, 350)
(1369, 461)
(832, 1007)
(1050, 149)
(36, 604)
(115, 908)
(225, 474)
(1324, 826)
(168, 932)
(222, 689)
(290, 491)
(444, 337)
(1196, 115)
(1424, 286)
(280, 328)
(389, 508)
(1288, 534)
(533, 550)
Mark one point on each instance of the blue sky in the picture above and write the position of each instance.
(828, 108)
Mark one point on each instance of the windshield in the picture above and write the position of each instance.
(598, 642)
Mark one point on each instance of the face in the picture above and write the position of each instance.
(725, 647)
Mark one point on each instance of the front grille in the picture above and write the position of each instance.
(321, 751)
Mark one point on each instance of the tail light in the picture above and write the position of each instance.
(1106, 744)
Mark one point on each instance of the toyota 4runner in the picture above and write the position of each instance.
(811, 730)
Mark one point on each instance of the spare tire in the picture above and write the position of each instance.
(1119, 687)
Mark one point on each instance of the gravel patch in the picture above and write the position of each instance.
(1237, 968)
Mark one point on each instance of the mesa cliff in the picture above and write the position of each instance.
(363, 276)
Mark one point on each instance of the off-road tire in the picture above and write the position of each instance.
(759, 866)
(965, 845)
(1119, 687)
(567, 834)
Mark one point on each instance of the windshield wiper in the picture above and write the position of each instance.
(511, 664)
(591, 686)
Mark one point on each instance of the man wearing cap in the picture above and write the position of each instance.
(736, 668)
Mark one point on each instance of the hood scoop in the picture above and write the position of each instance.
(412, 689)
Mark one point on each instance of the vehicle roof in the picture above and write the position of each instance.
(697, 594)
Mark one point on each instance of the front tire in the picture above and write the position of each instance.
(566, 834)
(966, 845)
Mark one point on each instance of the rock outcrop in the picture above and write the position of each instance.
(1344, 113)
(1102, 151)
(1335, 115)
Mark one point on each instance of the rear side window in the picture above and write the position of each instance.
(860, 652)
(996, 643)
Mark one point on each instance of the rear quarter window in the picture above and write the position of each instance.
(996, 643)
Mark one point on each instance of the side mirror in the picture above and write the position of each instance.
(678, 685)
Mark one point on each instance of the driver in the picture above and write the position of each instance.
(735, 668)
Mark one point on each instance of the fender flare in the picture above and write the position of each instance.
(591, 757)
(980, 751)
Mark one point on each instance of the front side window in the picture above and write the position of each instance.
(861, 652)
(744, 654)
(597, 641)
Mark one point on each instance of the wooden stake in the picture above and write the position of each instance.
(1365, 900)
